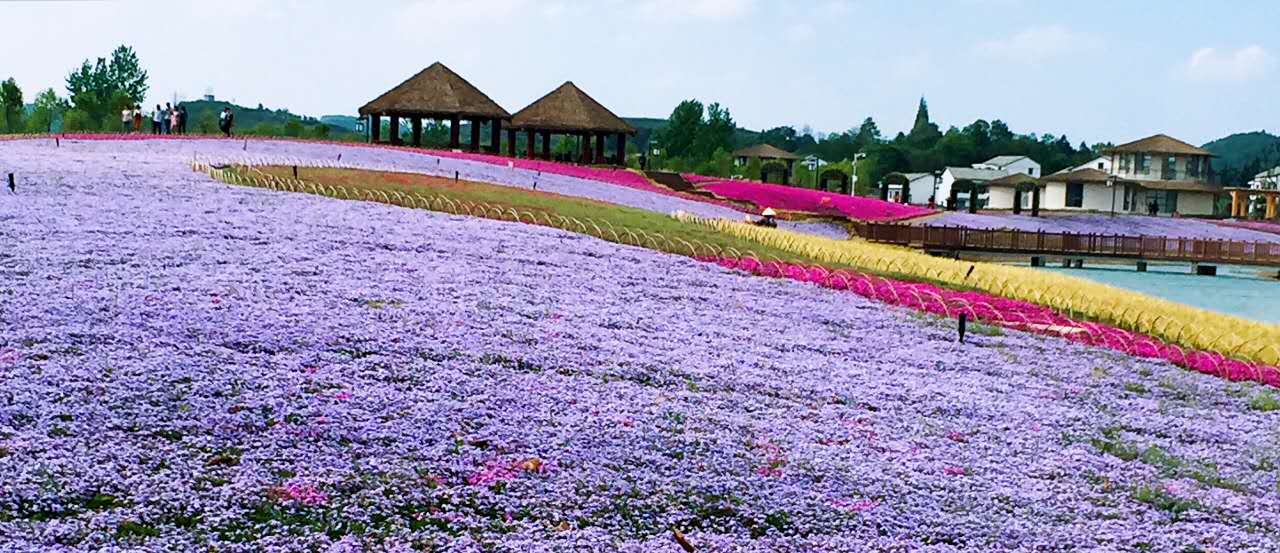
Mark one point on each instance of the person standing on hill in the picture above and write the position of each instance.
(164, 118)
(137, 118)
(126, 120)
(182, 119)
(174, 116)
(156, 117)
(226, 120)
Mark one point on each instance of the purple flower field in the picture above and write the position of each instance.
(187, 365)
(1131, 225)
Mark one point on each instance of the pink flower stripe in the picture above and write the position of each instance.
(1015, 314)
(811, 201)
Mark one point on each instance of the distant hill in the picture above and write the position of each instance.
(345, 122)
(1238, 150)
(248, 118)
(646, 126)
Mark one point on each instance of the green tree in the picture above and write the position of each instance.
(293, 127)
(48, 109)
(96, 88)
(11, 103)
(924, 133)
(682, 130)
(77, 120)
(320, 131)
(716, 133)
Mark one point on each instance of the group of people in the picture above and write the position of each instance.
(164, 120)
(169, 120)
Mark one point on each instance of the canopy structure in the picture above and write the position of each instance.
(766, 153)
(569, 111)
(436, 93)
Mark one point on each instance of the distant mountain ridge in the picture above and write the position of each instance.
(1239, 150)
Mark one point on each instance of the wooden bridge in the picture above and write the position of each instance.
(1074, 246)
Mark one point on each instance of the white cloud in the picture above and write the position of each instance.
(1244, 64)
(693, 9)
(1038, 44)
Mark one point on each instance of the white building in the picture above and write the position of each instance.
(1157, 172)
(1266, 180)
(920, 188)
(981, 174)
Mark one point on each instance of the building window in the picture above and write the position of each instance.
(1100, 164)
(1075, 194)
(1031, 171)
(1170, 169)
(1142, 163)
(1125, 163)
(1193, 167)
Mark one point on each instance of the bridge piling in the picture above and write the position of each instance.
(1142, 266)
(1203, 269)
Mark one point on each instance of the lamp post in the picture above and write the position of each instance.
(853, 181)
(1111, 182)
(937, 181)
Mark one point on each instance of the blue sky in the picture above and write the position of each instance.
(1098, 71)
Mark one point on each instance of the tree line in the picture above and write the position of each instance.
(703, 140)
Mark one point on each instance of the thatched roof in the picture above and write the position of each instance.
(435, 92)
(569, 109)
(1088, 175)
(765, 151)
(1180, 185)
(1160, 144)
(1016, 180)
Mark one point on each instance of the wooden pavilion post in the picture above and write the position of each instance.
(394, 130)
(1271, 206)
(495, 136)
(511, 142)
(530, 145)
(375, 128)
(584, 140)
(417, 131)
(474, 145)
(599, 156)
(1035, 201)
(621, 146)
(546, 144)
(455, 128)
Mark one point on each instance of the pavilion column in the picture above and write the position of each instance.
(621, 147)
(1017, 201)
(511, 143)
(455, 129)
(585, 141)
(394, 130)
(530, 145)
(1271, 207)
(1235, 204)
(375, 128)
(600, 138)
(475, 135)
(1035, 202)
(546, 144)
(495, 136)
(417, 131)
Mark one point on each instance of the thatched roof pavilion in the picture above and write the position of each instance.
(766, 153)
(568, 110)
(436, 93)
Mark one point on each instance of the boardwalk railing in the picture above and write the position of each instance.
(1154, 248)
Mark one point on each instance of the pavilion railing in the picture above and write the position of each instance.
(1156, 248)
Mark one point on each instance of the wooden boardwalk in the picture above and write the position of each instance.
(1144, 248)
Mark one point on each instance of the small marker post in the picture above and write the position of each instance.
(455, 175)
(964, 320)
(295, 172)
(13, 186)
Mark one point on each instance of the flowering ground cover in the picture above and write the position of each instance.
(1129, 225)
(1272, 227)
(792, 198)
(186, 365)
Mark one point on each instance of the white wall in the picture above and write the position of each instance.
(921, 189)
(1000, 197)
(1026, 166)
(1195, 203)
